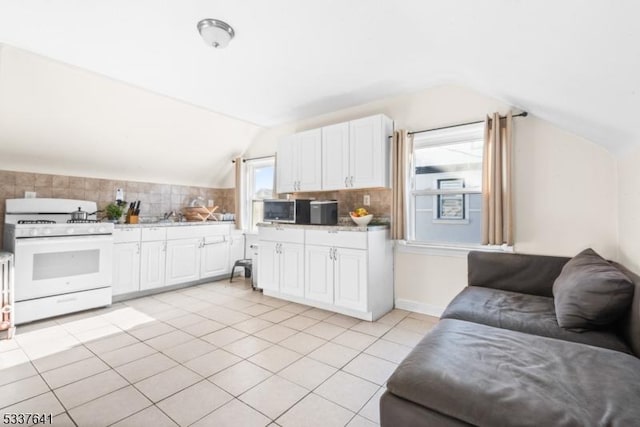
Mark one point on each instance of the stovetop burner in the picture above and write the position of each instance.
(82, 221)
(36, 221)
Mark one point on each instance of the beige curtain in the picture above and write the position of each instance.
(497, 217)
(401, 149)
(238, 192)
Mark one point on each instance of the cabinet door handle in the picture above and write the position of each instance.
(351, 181)
(335, 254)
(137, 248)
(346, 181)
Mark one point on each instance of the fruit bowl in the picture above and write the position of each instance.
(362, 221)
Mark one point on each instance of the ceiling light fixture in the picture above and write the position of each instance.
(215, 33)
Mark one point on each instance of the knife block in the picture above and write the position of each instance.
(132, 219)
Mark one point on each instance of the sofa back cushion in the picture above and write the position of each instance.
(527, 274)
(630, 323)
(590, 292)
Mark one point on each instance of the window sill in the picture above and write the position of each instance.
(443, 249)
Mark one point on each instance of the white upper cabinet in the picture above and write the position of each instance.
(286, 169)
(335, 157)
(369, 149)
(309, 160)
(347, 155)
(356, 154)
(299, 162)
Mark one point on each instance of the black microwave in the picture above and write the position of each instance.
(296, 211)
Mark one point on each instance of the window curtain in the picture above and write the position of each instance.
(238, 191)
(401, 148)
(497, 220)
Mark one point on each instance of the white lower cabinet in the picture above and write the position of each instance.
(154, 257)
(349, 272)
(269, 270)
(292, 269)
(214, 256)
(336, 276)
(126, 268)
(126, 261)
(183, 260)
(152, 265)
(350, 278)
(281, 258)
(318, 280)
(236, 250)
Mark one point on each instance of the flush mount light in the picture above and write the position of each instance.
(215, 33)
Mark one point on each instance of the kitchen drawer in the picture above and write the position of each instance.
(217, 230)
(191, 231)
(338, 239)
(154, 234)
(41, 308)
(281, 234)
(126, 235)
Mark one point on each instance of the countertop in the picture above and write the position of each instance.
(173, 224)
(339, 227)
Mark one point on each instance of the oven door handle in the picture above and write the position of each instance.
(58, 240)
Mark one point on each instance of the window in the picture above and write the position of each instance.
(445, 204)
(259, 175)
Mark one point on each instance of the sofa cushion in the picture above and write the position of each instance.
(395, 412)
(527, 274)
(630, 324)
(489, 376)
(590, 292)
(524, 313)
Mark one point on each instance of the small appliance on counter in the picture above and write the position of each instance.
(324, 212)
(294, 211)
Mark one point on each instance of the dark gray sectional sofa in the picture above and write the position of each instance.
(499, 358)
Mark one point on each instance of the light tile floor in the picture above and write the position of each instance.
(209, 355)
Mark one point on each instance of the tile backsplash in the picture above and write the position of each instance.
(348, 200)
(156, 199)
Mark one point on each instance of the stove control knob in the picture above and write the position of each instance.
(101, 230)
(91, 230)
(47, 231)
(34, 232)
(69, 230)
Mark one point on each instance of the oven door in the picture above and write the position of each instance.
(58, 265)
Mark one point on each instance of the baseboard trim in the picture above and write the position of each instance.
(419, 307)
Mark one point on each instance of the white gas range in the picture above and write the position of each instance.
(61, 266)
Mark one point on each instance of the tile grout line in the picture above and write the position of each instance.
(248, 297)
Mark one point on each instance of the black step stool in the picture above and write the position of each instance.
(246, 263)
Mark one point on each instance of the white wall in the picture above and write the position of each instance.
(629, 209)
(565, 187)
(565, 192)
(59, 119)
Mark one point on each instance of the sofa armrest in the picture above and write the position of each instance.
(527, 274)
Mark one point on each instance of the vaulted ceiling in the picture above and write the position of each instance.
(575, 63)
